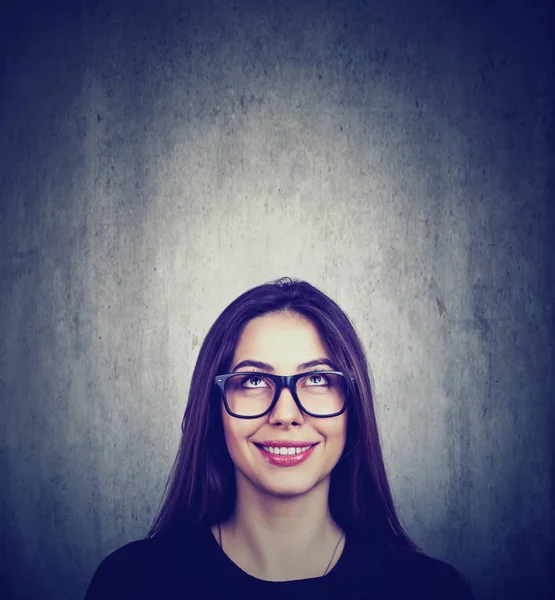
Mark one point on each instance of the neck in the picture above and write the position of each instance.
(277, 538)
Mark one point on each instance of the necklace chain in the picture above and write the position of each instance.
(334, 550)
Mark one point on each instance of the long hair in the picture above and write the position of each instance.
(201, 488)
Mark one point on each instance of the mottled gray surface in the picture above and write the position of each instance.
(155, 163)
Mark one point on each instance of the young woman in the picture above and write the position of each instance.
(279, 485)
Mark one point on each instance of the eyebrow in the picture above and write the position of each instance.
(267, 367)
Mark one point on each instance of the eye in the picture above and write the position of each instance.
(254, 381)
(317, 379)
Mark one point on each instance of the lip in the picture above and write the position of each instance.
(286, 460)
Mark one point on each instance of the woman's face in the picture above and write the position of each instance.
(284, 341)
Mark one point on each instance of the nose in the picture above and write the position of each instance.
(286, 409)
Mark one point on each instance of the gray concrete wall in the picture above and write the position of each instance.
(157, 162)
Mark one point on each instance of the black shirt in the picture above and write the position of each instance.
(189, 563)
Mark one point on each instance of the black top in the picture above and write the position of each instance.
(189, 563)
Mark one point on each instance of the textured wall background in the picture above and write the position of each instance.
(156, 161)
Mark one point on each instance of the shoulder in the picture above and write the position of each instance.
(142, 568)
(132, 555)
(123, 572)
(398, 573)
(430, 577)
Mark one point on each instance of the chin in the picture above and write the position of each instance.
(285, 492)
(288, 487)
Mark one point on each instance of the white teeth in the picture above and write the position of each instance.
(285, 451)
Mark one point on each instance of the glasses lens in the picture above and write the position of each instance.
(249, 395)
(322, 393)
(319, 393)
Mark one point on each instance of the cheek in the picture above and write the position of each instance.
(237, 434)
(337, 433)
(337, 428)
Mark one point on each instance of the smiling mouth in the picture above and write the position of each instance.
(286, 450)
(285, 456)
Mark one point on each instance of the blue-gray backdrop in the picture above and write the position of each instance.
(159, 158)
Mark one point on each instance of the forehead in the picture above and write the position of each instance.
(280, 339)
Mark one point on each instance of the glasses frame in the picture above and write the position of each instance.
(282, 381)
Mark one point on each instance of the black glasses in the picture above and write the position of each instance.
(249, 395)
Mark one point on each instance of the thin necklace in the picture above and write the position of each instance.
(334, 550)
